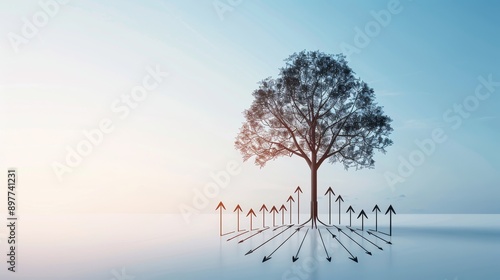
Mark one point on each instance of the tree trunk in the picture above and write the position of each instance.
(314, 195)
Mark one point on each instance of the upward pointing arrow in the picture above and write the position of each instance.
(298, 191)
(263, 209)
(339, 199)
(274, 211)
(250, 213)
(220, 206)
(362, 214)
(238, 210)
(391, 211)
(290, 198)
(350, 211)
(329, 192)
(282, 209)
(376, 210)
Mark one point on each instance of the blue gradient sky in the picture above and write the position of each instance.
(427, 58)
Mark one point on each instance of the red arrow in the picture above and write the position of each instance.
(263, 209)
(251, 212)
(329, 192)
(238, 209)
(220, 206)
(298, 191)
(274, 211)
(282, 209)
(290, 198)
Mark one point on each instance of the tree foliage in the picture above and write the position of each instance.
(316, 109)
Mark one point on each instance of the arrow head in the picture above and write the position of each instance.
(294, 259)
(238, 208)
(380, 248)
(220, 205)
(251, 212)
(369, 232)
(350, 209)
(263, 208)
(329, 191)
(290, 198)
(339, 198)
(333, 235)
(351, 229)
(282, 207)
(390, 209)
(369, 253)
(362, 213)
(354, 259)
(249, 252)
(329, 259)
(389, 242)
(376, 208)
(266, 259)
(274, 209)
(298, 189)
(241, 241)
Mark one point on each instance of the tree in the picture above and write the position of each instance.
(316, 109)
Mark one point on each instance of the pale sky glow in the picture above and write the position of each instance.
(64, 80)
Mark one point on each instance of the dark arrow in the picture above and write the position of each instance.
(290, 198)
(251, 213)
(282, 209)
(350, 211)
(335, 237)
(274, 211)
(266, 258)
(221, 207)
(339, 199)
(243, 233)
(362, 214)
(376, 210)
(353, 230)
(296, 257)
(263, 209)
(298, 191)
(341, 231)
(275, 229)
(388, 242)
(238, 210)
(329, 192)
(391, 211)
(243, 240)
(326, 251)
(253, 250)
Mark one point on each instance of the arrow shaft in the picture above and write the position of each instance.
(220, 222)
(354, 241)
(341, 243)
(290, 212)
(329, 209)
(298, 208)
(390, 224)
(339, 212)
(263, 219)
(386, 241)
(376, 220)
(298, 251)
(350, 219)
(366, 239)
(260, 231)
(271, 239)
(282, 243)
(322, 241)
(243, 233)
